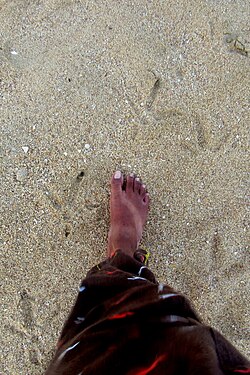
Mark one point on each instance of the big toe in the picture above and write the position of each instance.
(116, 182)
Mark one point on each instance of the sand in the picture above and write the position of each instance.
(160, 88)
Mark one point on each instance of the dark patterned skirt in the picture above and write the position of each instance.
(125, 323)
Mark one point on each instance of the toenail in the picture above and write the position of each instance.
(117, 175)
(137, 179)
(132, 175)
(143, 186)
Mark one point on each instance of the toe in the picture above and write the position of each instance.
(130, 182)
(137, 185)
(146, 199)
(143, 190)
(116, 182)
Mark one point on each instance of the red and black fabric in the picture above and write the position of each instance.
(125, 323)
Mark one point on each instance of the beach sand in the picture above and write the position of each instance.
(160, 88)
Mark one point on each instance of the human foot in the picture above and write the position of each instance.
(128, 211)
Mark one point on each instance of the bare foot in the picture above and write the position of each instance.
(128, 211)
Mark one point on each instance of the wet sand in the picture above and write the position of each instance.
(157, 88)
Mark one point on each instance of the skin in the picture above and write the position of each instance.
(129, 205)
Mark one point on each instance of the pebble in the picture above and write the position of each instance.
(21, 174)
(25, 149)
(87, 146)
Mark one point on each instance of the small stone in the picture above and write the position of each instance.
(21, 174)
(13, 52)
(87, 146)
(25, 149)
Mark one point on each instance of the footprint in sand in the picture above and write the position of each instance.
(173, 129)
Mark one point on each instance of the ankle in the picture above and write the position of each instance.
(122, 239)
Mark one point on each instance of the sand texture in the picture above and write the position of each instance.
(160, 88)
